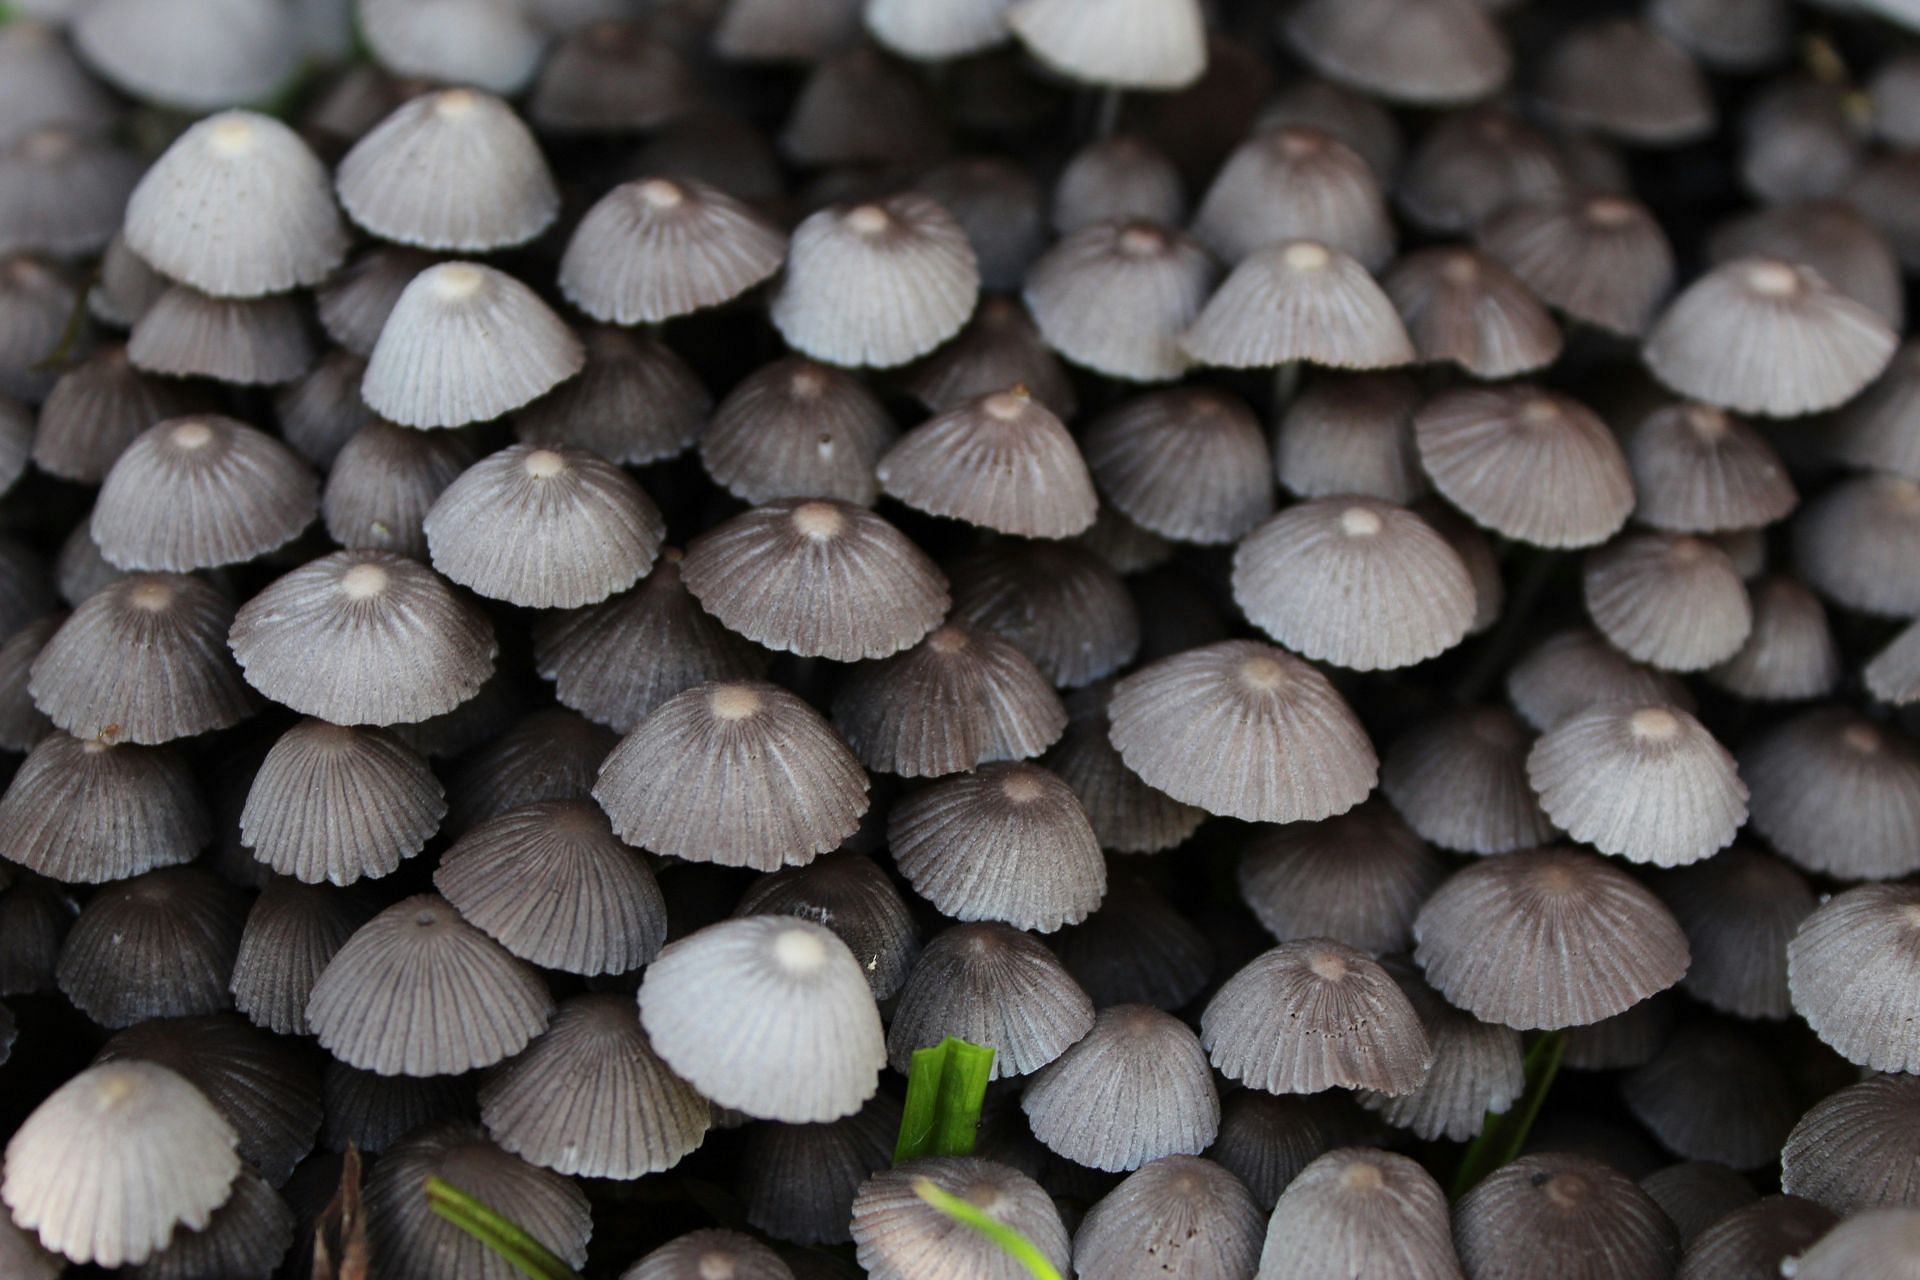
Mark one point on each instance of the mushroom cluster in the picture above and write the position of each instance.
(581, 578)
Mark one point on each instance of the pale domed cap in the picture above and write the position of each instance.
(1355, 1209)
(1828, 236)
(657, 247)
(1547, 938)
(1427, 53)
(990, 985)
(1136, 1088)
(713, 1251)
(1576, 669)
(1855, 544)
(1119, 178)
(1528, 463)
(877, 283)
(899, 1236)
(1280, 743)
(544, 527)
(194, 493)
(850, 895)
(1123, 44)
(1547, 1207)
(1837, 794)
(1853, 969)
(1002, 461)
(1295, 183)
(455, 170)
(95, 411)
(363, 637)
(491, 44)
(237, 207)
(817, 578)
(1357, 879)
(1460, 780)
(589, 1096)
(1697, 469)
(417, 991)
(385, 480)
(245, 341)
(115, 1159)
(1350, 433)
(1299, 301)
(795, 428)
(1791, 652)
(466, 343)
(191, 55)
(1855, 1149)
(1117, 296)
(1601, 258)
(1881, 1245)
(1625, 80)
(1189, 464)
(740, 773)
(1180, 1215)
(90, 812)
(1464, 307)
(768, 1015)
(937, 32)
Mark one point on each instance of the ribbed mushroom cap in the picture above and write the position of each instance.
(1136, 949)
(1892, 675)
(1299, 301)
(1117, 296)
(544, 527)
(1123, 44)
(196, 492)
(159, 945)
(291, 933)
(957, 699)
(1460, 781)
(848, 894)
(859, 108)
(1881, 1245)
(1764, 335)
(1357, 879)
(466, 343)
(1280, 745)
(237, 207)
(1528, 463)
(1180, 1216)
(1625, 80)
(1753, 1242)
(384, 482)
(1350, 434)
(657, 247)
(1599, 257)
(797, 429)
(1476, 1069)
(322, 410)
(372, 1112)
(1000, 347)
(248, 1235)
(1358, 120)
(1647, 783)
(1697, 469)
(1713, 1093)
(768, 1015)
(115, 1159)
(817, 578)
(1731, 37)
(1134, 1089)
(899, 1236)
(1000, 206)
(1120, 178)
(1429, 53)
(1058, 603)
(551, 884)
(34, 298)
(363, 637)
(417, 991)
(189, 55)
(415, 1243)
(1267, 1139)
(550, 754)
(1295, 183)
(1315, 1014)
(1739, 909)
(16, 441)
(246, 341)
(94, 412)
(991, 985)
(354, 303)
(607, 76)
(1695, 1194)
(1355, 1210)
(936, 33)
(1837, 794)
(268, 1088)
(143, 660)
(1876, 429)
(1008, 842)
(1626, 1039)
(1002, 461)
(589, 1096)
(1829, 237)
(23, 725)
(1854, 544)
(739, 773)
(713, 1251)
(1557, 1217)
(34, 916)
(45, 83)
(634, 402)
(1576, 670)
(1547, 938)
(1128, 816)
(63, 189)
(487, 43)
(877, 283)
(1856, 1149)
(1790, 654)
(799, 1180)
(1188, 464)
(1464, 307)
(1853, 969)
(1472, 164)
(1354, 581)
(90, 812)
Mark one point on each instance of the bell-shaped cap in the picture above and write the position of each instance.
(1002, 461)
(1695, 1194)
(1429, 53)
(1299, 301)
(1477, 1068)
(322, 410)
(1856, 1149)
(850, 895)
(1180, 1215)
(713, 1250)
(159, 945)
(1672, 601)
(608, 76)
(1000, 347)
(634, 402)
(1464, 307)
(244, 341)
(385, 480)
(1576, 669)
(1713, 1093)
(1127, 815)
(1121, 44)
(768, 1015)
(899, 1236)
(1599, 257)
(1057, 602)
(292, 931)
(1756, 1239)
(355, 301)
(660, 247)
(1853, 969)
(1855, 544)
(990, 985)
(1295, 183)
(86, 812)
(1134, 1089)
(1625, 80)
(337, 804)
(796, 428)
(1698, 469)
(189, 55)
(1880, 1245)
(1357, 879)
(63, 189)
(1562, 1215)
(1739, 909)
(95, 411)
(1189, 464)
(1356, 1209)
(1136, 949)
(1460, 781)
(1837, 794)
(1350, 434)
(491, 44)
(1116, 297)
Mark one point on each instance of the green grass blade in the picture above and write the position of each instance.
(483, 1223)
(1011, 1242)
(1505, 1133)
(946, 1088)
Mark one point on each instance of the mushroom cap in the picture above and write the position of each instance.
(1575, 670)
(159, 945)
(1299, 301)
(1355, 1208)
(1357, 879)
(1462, 306)
(992, 985)
(189, 55)
(1713, 1093)
(91, 812)
(1460, 781)
(1739, 909)
(1601, 258)
(1881, 1245)
(490, 44)
(1430, 53)
(1116, 297)
(897, 1235)
(1057, 602)
(1755, 1239)
(1554, 1214)
(1836, 794)
(796, 428)
(1350, 433)
(292, 931)
(244, 341)
(1180, 1215)
(1133, 1089)
(712, 1251)
(1123, 44)
(1852, 970)
(384, 481)
(850, 895)
(1002, 461)
(1189, 464)
(1672, 601)
(634, 402)
(1626, 80)
(1477, 1067)
(1790, 653)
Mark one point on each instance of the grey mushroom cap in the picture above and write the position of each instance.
(1134, 1089)
(1353, 1209)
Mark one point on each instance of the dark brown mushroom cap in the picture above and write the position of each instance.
(1136, 949)
(1561, 1216)
(634, 402)
(1739, 909)
(1755, 1240)
(249, 1234)
(292, 931)
(1695, 1194)
(1002, 461)
(550, 754)
(1837, 793)
(1189, 464)
(1057, 602)
(1355, 1209)
(1713, 1093)
(23, 725)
